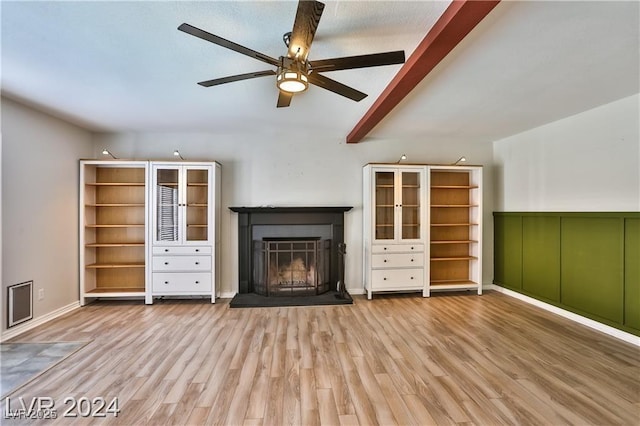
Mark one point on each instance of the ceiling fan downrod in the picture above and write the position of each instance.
(286, 37)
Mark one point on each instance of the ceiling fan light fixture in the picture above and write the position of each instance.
(292, 80)
(292, 75)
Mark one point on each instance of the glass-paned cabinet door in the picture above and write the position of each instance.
(167, 199)
(197, 203)
(384, 205)
(410, 183)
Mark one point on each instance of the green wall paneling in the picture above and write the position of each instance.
(508, 251)
(632, 273)
(584, 262)
(541, 257)
(592, 266)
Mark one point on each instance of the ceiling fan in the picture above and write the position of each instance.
(294, 72)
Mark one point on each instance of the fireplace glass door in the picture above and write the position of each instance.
(291, 267)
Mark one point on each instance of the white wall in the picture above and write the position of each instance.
(40, 204)
(295, 169)
(587, 162)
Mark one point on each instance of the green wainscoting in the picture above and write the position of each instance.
(541, 257)
(587, 263)
(508, 251)
(632, 273)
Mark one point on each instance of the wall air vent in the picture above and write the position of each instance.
(20, 302)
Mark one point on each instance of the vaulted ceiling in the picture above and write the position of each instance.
(123, 66)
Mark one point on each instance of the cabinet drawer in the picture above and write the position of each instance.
(397, 279)
(169, 251)
(397, 248)
(188, 283)
(397, 260)
(181, 263)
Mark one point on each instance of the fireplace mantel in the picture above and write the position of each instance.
(301, 209)
(248, 217)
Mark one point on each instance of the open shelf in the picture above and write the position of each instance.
(453, 224)
(114, 183)
(454, 186)
(115, 265)
(113, 234)
(116, 290)
(116, 205)
(454, 258)
(114, 245)
(122, 225)
(453, 282)
(455, 216)
(453, 205)
(454, 242)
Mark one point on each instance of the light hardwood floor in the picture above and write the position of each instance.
(397, 359)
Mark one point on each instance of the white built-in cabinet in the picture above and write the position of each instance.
(394, 228)
(148, 229)
(184, 228)
(422, 228)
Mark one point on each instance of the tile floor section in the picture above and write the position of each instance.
(21, 362)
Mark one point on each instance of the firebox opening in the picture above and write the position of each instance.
(291, 266)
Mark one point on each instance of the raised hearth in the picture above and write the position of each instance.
(259, 225)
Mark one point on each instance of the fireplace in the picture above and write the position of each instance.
(289, 251)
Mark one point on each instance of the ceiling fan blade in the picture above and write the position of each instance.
(335, 87)
(197, 32)
(360, 61)
(238, 77)
(304, 28)
(284, 99)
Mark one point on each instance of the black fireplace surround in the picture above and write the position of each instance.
(253, 221)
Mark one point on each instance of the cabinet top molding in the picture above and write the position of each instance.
(459, 166)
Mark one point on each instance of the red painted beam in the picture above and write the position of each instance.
(455, 23)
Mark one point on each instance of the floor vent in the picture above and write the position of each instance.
(20, 303)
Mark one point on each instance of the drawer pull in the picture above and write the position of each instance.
(384, 248)
(197, 250)
(384, 279)
(166, 263)
(166, 282)
(412, 259)
(166, 250)
(411, 277)
(197, 263)
(411, 247)
(385, 261)
(197, 282)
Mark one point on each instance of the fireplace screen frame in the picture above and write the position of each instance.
(291, 266)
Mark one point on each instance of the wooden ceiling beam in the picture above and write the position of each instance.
(455, 23)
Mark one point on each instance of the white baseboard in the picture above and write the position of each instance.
(226, 295)
(357, 290)
(611, 331)
(19, 329)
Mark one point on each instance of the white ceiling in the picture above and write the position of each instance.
(123, 66)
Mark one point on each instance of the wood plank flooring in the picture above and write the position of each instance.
(397, 359)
